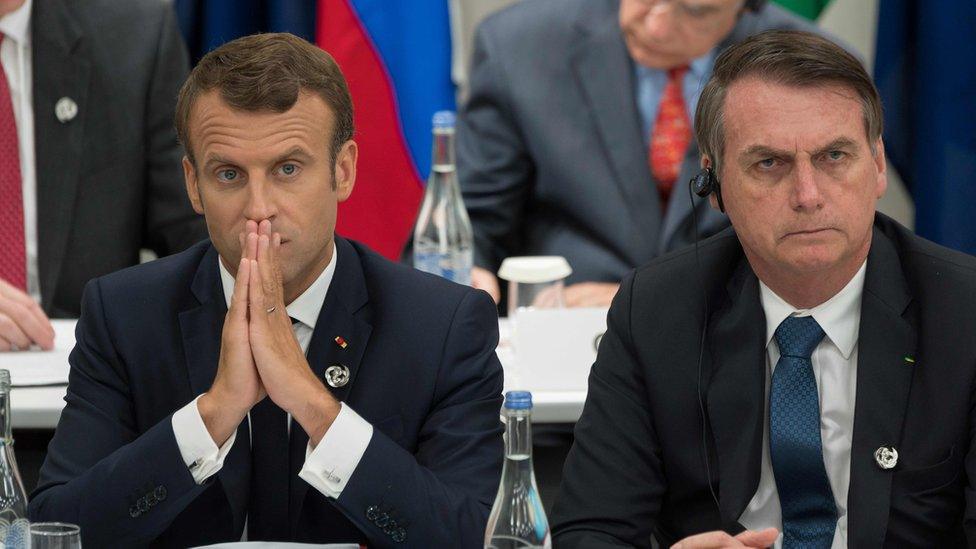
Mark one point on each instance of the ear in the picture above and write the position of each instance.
(881, 163)
(192, 188)
(345, 169)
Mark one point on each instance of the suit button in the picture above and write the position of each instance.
(400, 535)
(382, 520)
(134, 512)
(151, 500)
(142, 505)
(160, 493)
(372, 512)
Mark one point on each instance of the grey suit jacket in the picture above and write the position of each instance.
(550, 153)
(109, 181)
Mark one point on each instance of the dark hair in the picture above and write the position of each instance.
(791, 58)
(266, 72)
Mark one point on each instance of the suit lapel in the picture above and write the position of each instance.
(201, 328)
(883, 382)
(736, 381)
(605, 76)
(344, 314)
(61, 68)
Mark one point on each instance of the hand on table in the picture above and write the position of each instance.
(22, 322)
(590, 294)
(718, 539)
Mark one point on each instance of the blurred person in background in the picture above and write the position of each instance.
(576, 139)
(89, 163)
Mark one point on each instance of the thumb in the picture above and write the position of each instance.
(760, 538)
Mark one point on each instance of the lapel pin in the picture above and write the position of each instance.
(909, 359)
(886, 457)
(337, 376)
(341, 342)
(65, 109)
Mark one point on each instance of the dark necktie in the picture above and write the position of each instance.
(267, 516)
(806, 500)
(13, 254)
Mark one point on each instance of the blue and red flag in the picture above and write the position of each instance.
(396, 56)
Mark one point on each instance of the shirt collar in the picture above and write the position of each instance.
(700, 68)
(306, 307)
(839, 316)
(16, 24)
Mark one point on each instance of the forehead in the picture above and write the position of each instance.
(758, 111)
(216, 127)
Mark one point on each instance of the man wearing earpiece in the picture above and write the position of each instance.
(803, 379)
(577, 136)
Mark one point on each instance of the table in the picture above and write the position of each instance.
(40, 407)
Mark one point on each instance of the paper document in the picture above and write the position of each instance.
(31, 368)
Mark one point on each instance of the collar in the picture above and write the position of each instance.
(306, 307)
(700, 68)
(839, 316)
(16, 24)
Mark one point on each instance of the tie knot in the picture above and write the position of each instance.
(798, 336)
(677, 73)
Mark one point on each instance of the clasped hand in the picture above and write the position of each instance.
(259, 354)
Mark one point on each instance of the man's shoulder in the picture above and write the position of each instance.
(543, 21)
(393, 284)
(707, 262)
(157, 279)
(928, 263)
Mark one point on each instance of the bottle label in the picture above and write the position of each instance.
(452, 265)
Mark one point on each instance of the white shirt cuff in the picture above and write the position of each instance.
(329, 465)
(199, 451)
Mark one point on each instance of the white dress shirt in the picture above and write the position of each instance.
(329, 465)
(15, 54)
(835, 368)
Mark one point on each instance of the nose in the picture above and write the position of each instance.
(806, 194)
(260, 200)
(659, 22)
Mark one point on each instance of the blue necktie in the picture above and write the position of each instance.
(806, 500)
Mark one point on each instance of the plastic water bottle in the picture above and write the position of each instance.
(517, 519)
(14, 527)
(442, 240)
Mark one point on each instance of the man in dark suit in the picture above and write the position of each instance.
(722, 402)
(196, 403)
(91, 169)
(576, 136)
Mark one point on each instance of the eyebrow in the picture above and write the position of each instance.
(295, 152)
(764, 151)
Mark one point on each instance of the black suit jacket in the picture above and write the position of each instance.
(551, 156)
(421, 352)
(638, 463)
(109, 181)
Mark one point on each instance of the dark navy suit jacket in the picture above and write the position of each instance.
(421, 352)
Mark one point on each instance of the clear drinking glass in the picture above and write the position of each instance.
(55, 535)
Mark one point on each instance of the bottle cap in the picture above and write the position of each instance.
(443, 120)
(4, 381)
(518, 400)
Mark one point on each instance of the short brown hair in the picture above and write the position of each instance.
(791, 58)
(266, 72)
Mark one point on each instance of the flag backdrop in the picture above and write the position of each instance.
(396, 55)
(926, 72)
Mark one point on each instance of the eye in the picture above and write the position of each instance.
(288, 169)
(227, 174)
(767, 163)
(835, 155)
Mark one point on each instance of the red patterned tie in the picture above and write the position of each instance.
(670, 136)
(13, 261)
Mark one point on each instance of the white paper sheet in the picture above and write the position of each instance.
(32, 368)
